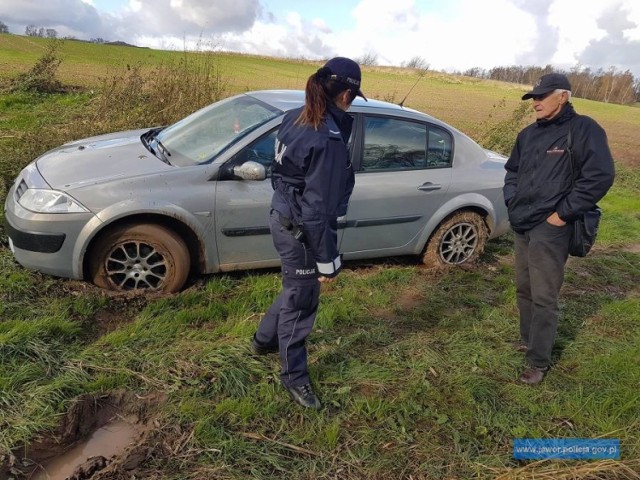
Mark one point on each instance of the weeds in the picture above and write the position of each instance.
(138, 96)
(501, 136)
(41, 78)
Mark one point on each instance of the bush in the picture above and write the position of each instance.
(501, 136)
(138, 96)
(417, 63)
(41, 77)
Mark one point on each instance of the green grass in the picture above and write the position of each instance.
(414, 366)
(407, 392)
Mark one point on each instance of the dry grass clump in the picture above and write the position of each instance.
(604, 470)
(139, 96)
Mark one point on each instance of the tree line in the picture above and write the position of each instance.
(44, 32)
(610, 86)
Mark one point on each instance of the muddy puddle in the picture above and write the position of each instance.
(92, 454)
(101, 436)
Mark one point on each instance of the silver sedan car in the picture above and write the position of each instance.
(143, 209)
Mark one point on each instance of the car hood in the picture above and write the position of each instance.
(96, 160)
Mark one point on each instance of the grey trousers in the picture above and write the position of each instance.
(541, 255)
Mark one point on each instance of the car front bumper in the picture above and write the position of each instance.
(44, 242)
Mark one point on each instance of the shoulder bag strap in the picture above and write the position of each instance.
(571, 159)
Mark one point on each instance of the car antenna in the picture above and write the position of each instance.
(422, 73)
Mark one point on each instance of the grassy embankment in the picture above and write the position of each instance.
(413, 365)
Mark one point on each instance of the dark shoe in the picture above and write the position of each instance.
(519, 346)
(304, 396)
(260, 349)
(533, 375)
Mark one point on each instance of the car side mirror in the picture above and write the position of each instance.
(250, 171)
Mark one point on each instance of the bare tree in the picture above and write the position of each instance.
(418, 63)
(3, 27)
(368, 59)
(476, 72)
(42, 32)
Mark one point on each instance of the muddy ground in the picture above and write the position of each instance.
(150, 441)
(88, 414)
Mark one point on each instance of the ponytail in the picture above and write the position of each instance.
(320, 91)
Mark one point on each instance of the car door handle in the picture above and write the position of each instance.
(428, 187)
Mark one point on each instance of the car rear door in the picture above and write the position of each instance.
(403, 175)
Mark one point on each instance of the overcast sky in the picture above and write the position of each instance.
(450, 35)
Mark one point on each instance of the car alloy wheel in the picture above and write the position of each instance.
(458, 239)
(140, 257)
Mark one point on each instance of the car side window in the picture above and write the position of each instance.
(261, 150)
(439, 151)
(394, 144)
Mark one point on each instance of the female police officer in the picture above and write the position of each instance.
(312, 180)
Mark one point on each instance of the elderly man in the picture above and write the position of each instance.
(542, 201)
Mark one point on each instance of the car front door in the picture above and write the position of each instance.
(402, 178)
(242, 210)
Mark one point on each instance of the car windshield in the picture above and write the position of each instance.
(201, 136)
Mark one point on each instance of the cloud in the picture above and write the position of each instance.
(68, 17)
(295, 37)
(468, 34)
(179, 18)
(385, 17)
(546, 41)
(140, 19)
(616, 48)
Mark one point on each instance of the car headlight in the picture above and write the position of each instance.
(49, 201)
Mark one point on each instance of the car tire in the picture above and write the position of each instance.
(460, 238)
(140, 257)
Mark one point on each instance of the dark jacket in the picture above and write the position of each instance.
(538, 179)
(313, 179)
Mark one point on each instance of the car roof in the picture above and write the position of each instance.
(288, 99)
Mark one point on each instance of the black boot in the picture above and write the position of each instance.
(260, 349)
(304, 396)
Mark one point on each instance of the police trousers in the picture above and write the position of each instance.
(541, 255)
(291, 316)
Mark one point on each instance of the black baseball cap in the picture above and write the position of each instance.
(345, 70)
(548, 83)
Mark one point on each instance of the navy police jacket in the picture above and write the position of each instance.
(312, 178)
(538, 181)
